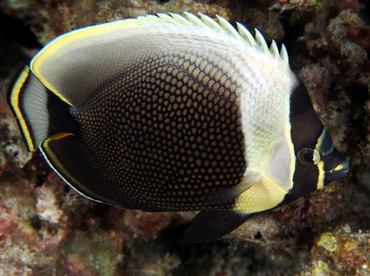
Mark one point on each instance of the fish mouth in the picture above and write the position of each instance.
(339, 172)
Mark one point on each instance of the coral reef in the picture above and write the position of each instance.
(46, 228)
(340, 252)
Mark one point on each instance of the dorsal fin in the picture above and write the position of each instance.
(88, 57)
(210, 22)
(243, 31)
(242, 34)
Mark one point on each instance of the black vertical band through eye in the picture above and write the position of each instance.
(309, 157)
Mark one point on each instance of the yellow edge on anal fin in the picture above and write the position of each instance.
(53, 162)
(14, 102)
(45, 149)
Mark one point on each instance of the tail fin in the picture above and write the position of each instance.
(40, 113)
(27, 97)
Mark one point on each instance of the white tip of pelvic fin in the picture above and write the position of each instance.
(242, 34)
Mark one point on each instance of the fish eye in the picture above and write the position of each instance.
(308, 157)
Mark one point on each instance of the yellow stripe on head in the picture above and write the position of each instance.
(321, 176)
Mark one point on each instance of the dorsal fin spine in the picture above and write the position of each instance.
(194, 19)
(242, 34)
(260, 40)
(284, 54)
(226, 26)
(274, 50)
(179, 18)
(167, 18)
(243, 31)
(210, 22)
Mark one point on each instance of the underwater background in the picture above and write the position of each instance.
(46, 228)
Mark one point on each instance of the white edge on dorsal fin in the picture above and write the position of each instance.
(194, 19)
(142, 18)
(274, 50)
(260, 40)
(226, 26)
(243, 31)
(210, 22)
(284, 54)
(179, 18)
(166, 18)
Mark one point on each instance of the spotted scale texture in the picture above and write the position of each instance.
(166, 133)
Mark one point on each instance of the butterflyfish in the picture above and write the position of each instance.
(175, 113)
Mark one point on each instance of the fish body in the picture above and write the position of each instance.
(167, 113)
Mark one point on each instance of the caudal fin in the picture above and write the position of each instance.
(28, 97)
(39, 112)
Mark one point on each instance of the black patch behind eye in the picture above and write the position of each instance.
(306, 127)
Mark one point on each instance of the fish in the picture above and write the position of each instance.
(174, 112)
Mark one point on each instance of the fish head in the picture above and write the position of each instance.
(317, 162)
(331, 164)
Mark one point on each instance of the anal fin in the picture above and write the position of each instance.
(208, 226)
(71, 159)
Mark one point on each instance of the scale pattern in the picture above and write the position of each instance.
(173, 133)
